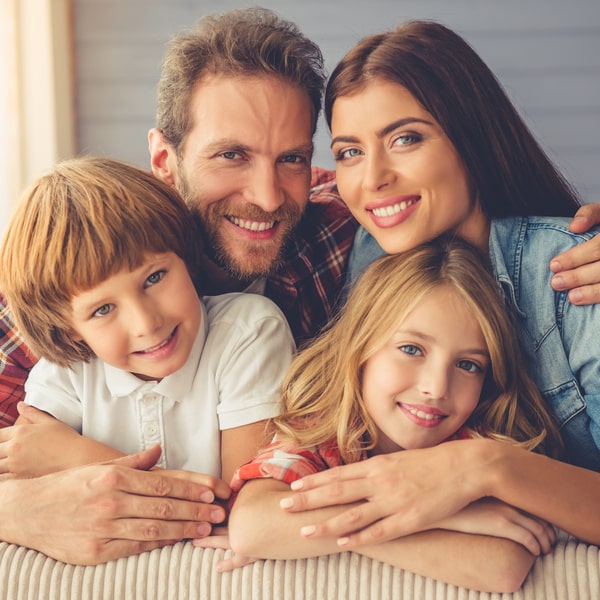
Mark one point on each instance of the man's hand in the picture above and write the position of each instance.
(95, 513)
(578, 269)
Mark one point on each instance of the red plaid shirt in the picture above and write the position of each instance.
(306, 288)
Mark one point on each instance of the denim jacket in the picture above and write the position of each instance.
(561, 341)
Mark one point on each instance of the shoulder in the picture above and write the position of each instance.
(240, 306)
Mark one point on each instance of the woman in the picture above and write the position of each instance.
(427, 142)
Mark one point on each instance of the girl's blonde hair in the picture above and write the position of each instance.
(75, 227)
(322, 398)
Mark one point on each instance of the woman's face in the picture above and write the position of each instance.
(398, 172)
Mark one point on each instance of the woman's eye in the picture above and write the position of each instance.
(469, 366)
(407, 139)
(346, 154)
(410, 350)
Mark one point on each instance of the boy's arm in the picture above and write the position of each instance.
(476, 561)
(39, 444)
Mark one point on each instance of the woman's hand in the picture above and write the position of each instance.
(578, 269)
(400, 493)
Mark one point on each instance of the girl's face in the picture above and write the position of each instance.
(398, 172)
(423, 384)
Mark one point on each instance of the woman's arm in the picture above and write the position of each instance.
(408, 491)
(480, 562)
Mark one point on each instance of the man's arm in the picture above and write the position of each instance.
(476, 561)
(92, 514)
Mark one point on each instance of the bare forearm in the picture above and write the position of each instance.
(478, 562)
(560, 493)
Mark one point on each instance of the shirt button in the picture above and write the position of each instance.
(151, 430)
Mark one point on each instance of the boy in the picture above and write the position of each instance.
(97, 266)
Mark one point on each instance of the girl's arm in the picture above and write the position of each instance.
(258, 527)
(408, 491)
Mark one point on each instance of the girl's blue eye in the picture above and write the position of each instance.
(410, 350)
(408, 139)
(469, 366)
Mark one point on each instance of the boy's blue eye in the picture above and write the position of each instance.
(155, 277)
(103, 310)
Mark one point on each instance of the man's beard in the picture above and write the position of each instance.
(258, 259)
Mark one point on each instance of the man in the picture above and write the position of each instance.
(237, 108)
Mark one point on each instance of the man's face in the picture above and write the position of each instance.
(244, 169)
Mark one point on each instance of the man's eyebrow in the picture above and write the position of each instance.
(226, 144)
(384, 130)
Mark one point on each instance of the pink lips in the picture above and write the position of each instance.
(161, 349)
(421, 415)
(392, 211)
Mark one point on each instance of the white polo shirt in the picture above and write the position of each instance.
(231, 378)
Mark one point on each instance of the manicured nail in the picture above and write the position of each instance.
(308, 530)
(343, 541)
(286, 502)
(297, 485)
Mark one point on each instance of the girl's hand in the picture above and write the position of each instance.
(220, 539)
(489, 516)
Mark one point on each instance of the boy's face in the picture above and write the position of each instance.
(143, 321)
(244, 168)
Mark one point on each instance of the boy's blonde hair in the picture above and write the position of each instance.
(72, 229)
(322, 398)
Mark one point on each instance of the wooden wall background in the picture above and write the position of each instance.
(545, 52)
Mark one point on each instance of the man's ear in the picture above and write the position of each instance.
(162, 157)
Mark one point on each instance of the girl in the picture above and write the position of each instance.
(427, 142)
(423, 353)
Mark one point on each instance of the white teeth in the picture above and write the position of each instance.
(388, 211)
(252, 225)
(422, 415)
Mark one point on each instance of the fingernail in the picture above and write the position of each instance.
(286, 502)
(343, 541)
(219, 568)
(216, 516)
(555, 265)
(207, 497)
(204, 529)
(575, 296)
(296, 485)
(557, 282)
(308, 530)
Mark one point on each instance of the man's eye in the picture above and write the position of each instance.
(231, 155)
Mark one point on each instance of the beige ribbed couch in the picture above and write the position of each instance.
(571, 572)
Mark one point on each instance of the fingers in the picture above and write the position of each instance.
(327, 494)
(32, 414)
(585, 217)
(233, 562)
(357, 470)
